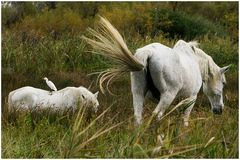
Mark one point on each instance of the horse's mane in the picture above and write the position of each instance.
(194, 44)
(206, 63)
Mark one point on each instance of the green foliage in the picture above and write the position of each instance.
(54, 23)
(222, 14)
(180, 25)
(85, 9)
(17, 11)
(123, 15)
(50, 37)
(111, 134)
(187, 18)
(47, 55)
(222, 50)
(48, 33)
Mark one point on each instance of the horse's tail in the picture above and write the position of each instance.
(107, 41)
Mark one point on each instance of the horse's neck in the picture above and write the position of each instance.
(206, 64)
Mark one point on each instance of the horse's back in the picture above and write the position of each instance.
(157, 54)
(171, 69)
(154, 48)
(161, 65)
(161, 59)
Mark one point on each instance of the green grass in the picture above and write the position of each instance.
(66, 62)
(111, 133)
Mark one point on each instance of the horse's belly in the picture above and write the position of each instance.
(56, 103)
(185, 93)
(191, 86)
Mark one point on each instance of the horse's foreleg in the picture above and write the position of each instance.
(165, 100)
(187, 112)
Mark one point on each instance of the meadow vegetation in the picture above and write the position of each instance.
(44, 39)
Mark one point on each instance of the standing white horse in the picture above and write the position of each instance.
(165, 72)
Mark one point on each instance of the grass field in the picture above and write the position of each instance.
(111, 133)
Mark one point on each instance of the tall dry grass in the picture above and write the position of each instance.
(112, 133)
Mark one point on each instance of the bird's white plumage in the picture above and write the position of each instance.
(50, 84)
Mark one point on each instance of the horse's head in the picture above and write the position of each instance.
(213, 88)
(94, 102)
(89, 99)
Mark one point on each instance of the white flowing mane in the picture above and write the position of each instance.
(206, 63)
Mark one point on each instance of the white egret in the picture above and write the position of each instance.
(50, 84)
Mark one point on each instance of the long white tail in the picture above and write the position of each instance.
(107, 41)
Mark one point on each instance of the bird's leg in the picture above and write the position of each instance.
(50, 92)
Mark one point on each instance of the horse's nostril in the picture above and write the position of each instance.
(217, 110)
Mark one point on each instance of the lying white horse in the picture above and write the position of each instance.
(164, 72)
(29, 98)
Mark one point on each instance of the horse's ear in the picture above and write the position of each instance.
(193, 48)
(96, 94)
(210, 69)
(225, 69)
(83, 96)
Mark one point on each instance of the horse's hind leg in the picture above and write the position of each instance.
(165, 100)
(187, 112)
(138, 100)
(139, 89)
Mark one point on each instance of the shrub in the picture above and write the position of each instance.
(48, 55)
(182, 25)
(52, 23)
(222, 50)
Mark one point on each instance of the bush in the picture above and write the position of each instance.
(181, 25)
(16, 12)
(222, 50)
(53, 23)
(48, 55)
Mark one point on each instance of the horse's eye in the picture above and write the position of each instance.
(219, 95)
(83, 96)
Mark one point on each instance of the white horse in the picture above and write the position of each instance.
(164, 72)
(30, 98)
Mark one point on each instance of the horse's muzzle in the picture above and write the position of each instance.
(217, 110)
